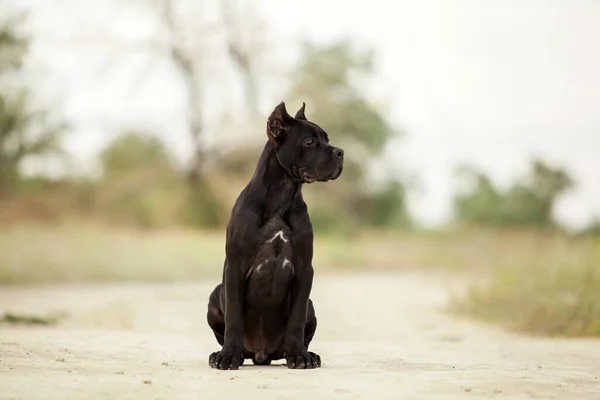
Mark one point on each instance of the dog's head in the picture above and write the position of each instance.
(302, 147)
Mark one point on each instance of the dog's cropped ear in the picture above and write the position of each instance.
(300, 113)
(278, 123)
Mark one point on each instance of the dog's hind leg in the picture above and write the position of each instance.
(311, 324)
(215, 317)
(309, 332)
(216, 320)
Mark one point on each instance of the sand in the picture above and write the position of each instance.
(151, 341)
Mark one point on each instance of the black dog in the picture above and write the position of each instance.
(262, 310)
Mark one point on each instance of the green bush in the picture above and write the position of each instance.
(330, 80)
(329, 218)
(202, 208)
(528, 202)
(559, 297)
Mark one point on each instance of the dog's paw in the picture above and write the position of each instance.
(315, 360)
(303, 360)
(225, 360)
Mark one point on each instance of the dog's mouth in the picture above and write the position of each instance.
(309, 178)
(336, 174)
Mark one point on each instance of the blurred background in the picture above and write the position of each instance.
(471, 131)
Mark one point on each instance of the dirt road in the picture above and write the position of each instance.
(151, 341)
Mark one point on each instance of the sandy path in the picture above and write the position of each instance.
(151, 341)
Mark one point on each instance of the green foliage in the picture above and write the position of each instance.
(132, 152)
(22, 319)
(526, 203)
(329, 218)
(331, 80)
(13, 42)
(140, 183)
(557, 297)
(386, 207)
(203, 208)
(592, 229)
(24, 132)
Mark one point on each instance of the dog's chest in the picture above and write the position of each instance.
(269, 277)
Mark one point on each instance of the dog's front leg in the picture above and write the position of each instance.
(230, 356)
(297, 355)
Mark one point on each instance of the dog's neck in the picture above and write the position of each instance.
(277, 186)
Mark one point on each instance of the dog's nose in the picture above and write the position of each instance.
(339, 153)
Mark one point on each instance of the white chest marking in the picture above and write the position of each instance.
(280, 235)
(286, 263)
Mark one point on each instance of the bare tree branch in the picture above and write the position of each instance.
(243, 47)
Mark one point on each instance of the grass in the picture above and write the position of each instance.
(22, 319)
(75, 252)
(550, 296)
(539, 283)
(35, 253)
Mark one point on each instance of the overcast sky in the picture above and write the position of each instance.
(491, 83)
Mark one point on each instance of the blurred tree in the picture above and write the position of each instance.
(591, 229)
(241, 24)
(547, 185)
(132, 152)
(527, 203)
(184, 53)
(331, 80)
(24, 131)
(186, 40)
(386, 207)
(140, 183)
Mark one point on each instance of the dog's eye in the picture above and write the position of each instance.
(309, 142)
